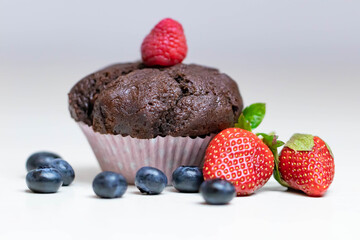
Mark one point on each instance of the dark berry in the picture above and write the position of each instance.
(187, 179)
(44, 180)
(40, 159)
(109, 185)
(150, 180)
(65, 169)
(217, 191)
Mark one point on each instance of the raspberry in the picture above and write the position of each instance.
(165, 45)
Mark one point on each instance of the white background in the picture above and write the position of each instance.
(300, 57)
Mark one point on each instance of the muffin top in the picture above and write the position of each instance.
(146, 102)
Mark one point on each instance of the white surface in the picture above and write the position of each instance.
(301, 59)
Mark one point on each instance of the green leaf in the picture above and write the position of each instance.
(328, 147)
(277, 176)
(301, 142)
(255, 114)
(243, 123)
(271, 141)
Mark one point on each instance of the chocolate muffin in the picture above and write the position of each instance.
(130, 99)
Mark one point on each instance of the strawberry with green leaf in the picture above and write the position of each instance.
(241, 157)
(306, 163)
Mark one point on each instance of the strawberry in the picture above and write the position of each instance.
(306, 163)
(165, 45)
(241, 157)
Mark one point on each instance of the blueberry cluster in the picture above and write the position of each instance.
(47, 172)
(190, 179)
(152, 181)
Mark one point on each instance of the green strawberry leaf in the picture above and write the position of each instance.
(328, 147)
(255, 114)
(243, 123)
(271, 141)
(301, 142)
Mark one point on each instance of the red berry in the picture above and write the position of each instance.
(165, 45)
(240, 157)
(306, 163)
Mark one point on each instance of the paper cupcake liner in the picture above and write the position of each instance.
(126, 155)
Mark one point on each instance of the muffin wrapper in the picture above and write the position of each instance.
(126, 155)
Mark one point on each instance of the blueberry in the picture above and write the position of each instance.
(65, 169)
(187, 179)
(44, 180)
(150, 180)
(40, 158)
(109, 185)
(217, 191)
